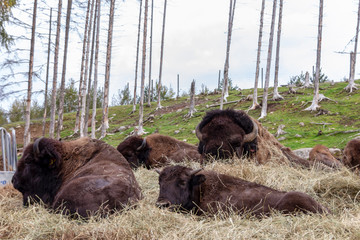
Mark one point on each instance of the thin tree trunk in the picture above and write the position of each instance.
(47, 77)
(352, 84)
(93, 128)
(105, 118)
(161, 56)
(77, 121)
(268, 64)
(137, 59)
(141, 110)
(31, 66)
(83, 124)
(225, 90)
(219, 80)
(255, 104)
(56, 58)
(62, 86)
(177, 85)
(315, 103)
(192, 109)
(276, 95)
(150, 57)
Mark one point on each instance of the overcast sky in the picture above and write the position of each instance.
(195, 42)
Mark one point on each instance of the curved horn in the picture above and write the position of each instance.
(251, 136)
(193, 172)
(198, 133)
(143, 144)
(36, 149)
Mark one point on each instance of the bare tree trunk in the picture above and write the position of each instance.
(77, 121)
(225, 89)
(352, 84)
(62, 86)
(307, 80)
(268, 64)
(56, 58)
(93, 122)
(31, 66)
(315, 103)
(105, 117)
(47, 77)
(192, 109)
(219, 80)
(150, 57)
(177, 86)
(161, 56)
(255, 104)
(83, 124)
(276, 95)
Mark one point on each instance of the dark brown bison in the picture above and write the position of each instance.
(352, 154)
(210, 192)
(322, 154)
(156, 150)
(84, 176)
(223, 133)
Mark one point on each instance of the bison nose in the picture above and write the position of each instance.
(163, 204)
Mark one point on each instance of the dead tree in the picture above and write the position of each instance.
(307, 80)
(31, 67)
(62, 86)
(161, 57)
(56, 58)
(47, 77)
(276, 95)
(141, 108)
(268, 64)
(315, 103)
(192, 109)
(105, 117)
(150, 54)
(255, 104)
(225, 87)
(137, 59)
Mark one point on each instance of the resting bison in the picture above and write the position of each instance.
(322, 154)
(156, 150)
(224, 132)
(211, 192)
(84, 176)
(352, 154)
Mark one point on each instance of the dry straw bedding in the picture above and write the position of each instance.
(337, 190)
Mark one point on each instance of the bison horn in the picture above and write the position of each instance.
(251, 136)
(143, 144)
(36, 149)
(198, 133)
(193, 172)
(157, 170)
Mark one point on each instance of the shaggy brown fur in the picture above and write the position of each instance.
(211, 192)
(84, 176)
(322, 154)
(158, 151)
(352, 154)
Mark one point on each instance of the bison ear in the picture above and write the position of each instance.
(45, 153)
(197, 179)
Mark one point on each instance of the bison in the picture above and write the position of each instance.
(225, 133)
(208, 192)
(322, 154)
(351, 156)
(84, 176)
(156, 150)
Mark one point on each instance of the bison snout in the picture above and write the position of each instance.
(163, 204)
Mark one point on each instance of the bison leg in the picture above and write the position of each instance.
(297, 201)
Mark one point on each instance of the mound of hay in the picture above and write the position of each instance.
(270, 149)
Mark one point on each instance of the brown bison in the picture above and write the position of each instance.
(156, 150)
(84, 176)
(352, 154)
(322, 154)
(225, 133)
(210, 192)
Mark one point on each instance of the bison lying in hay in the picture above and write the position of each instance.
(84, 176)
(322, 154)
(352, 154)
(223, 133)
(156, 150)
(211, 192)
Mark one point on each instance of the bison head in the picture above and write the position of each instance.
(37, 174)
(223, 132)
(135, 150)
(179, 187)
